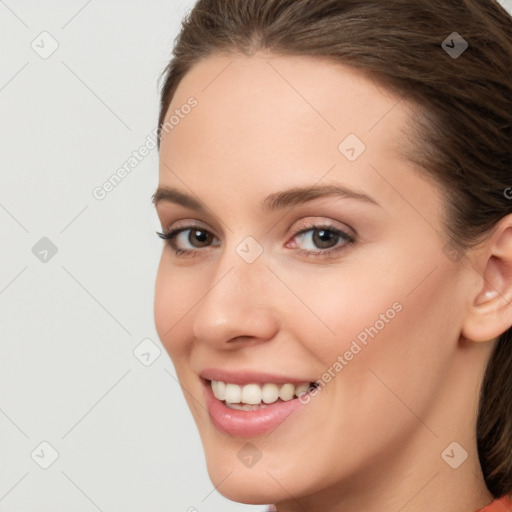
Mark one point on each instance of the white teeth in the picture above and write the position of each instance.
(286, 392)
(219, 389)
(270, 393)
(233, 394)
(245, 407)
(251, 396)
(301, 389)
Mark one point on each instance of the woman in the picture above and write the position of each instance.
(335, 287)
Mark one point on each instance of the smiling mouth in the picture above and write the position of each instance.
(254, 396)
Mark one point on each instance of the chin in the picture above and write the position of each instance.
(245, 486)
(237, 482)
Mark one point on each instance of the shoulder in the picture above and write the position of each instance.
(503, 504)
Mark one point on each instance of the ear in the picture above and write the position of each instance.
(490, 311)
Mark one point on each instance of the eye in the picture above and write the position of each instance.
(198, 237)
(322, 240)
(326, 239)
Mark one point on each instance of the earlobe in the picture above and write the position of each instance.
(485, 297)
(490, 312)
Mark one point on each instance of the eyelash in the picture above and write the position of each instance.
(170, 235)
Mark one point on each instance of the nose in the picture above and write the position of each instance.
(237, 307)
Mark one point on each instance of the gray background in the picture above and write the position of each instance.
(71, 322)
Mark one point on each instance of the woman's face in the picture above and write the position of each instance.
(263, 296)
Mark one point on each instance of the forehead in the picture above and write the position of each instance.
(268, 119)
(267, 89)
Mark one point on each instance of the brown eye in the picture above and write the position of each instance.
(188, 241)
(322, 240)
(199, 237)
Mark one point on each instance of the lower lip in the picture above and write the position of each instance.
(248, 423)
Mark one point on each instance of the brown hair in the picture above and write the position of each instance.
(461, 135)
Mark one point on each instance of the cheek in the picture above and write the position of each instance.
(396, 321)
(396, 341)
(172, 307)
(385, 296)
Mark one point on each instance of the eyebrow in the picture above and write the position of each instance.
(273, 202)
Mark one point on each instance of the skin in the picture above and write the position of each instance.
(372, 439)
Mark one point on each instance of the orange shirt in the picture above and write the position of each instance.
(503, 504)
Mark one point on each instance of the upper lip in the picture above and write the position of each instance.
(242, 377)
